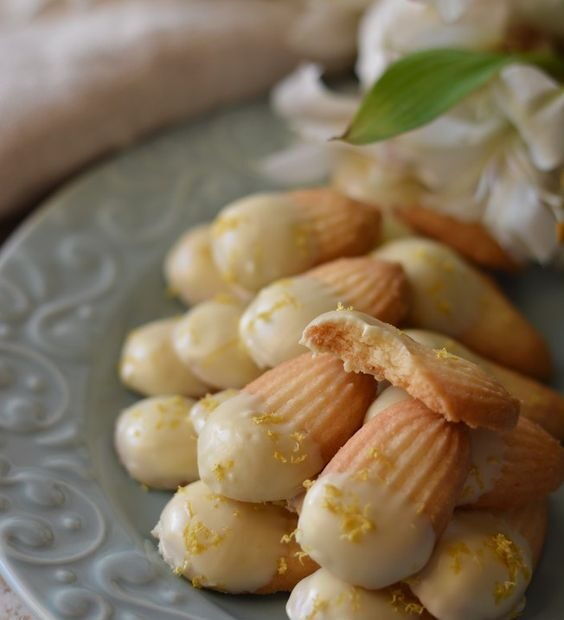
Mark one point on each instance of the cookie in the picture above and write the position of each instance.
(202, 409)
(230, 546)
(454, 298)
(282, 428)
(469, 238)
(189, 269)
(539, 403)
(388, 397)
(264, 237)
(323, 596)
(446, 383)
(483, 564)
(528, 466)
(156, 442)
(207, 340)
(149, 365)
(374, 515)
(272, 325)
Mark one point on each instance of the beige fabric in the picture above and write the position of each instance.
(80, 78)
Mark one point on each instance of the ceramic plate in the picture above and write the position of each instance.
(73, 281)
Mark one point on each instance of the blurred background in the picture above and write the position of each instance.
(82, 78)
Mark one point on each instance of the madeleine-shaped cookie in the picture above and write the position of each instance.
(189, 269)
(452, 297)
(469, 238)
(202, 409)
(265, 237)
(282, 428)
(321, 596)
(156, 442)
(207, 340)
(446, 383)
(539, 403)
(149, 364)
(272, 325)
(388, 397)
(483, 564)
(230, 546)
(374, 515)
(513, 468)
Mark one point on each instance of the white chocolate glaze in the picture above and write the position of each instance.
(149, 364)
(363, 531)
(439, 341)
(156, 442)
(446, 292)
(393, 228)
(390, 396)
(479, 570)
(189, 268)
(321, 596)
(221, 543)
(246, 452)
(487, 461)
(201, 411)
(272, 325)
(259, 239)
(207, 340)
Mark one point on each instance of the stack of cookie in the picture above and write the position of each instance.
(382, 473)
(444, 489)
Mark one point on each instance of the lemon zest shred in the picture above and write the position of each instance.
(300, 555)
(456, 551)
(220, 470)
(401, 602)
(198, 538)
(319, 605)
(509, 554)
(282, 566)
(287, 538)
(444, 354)
(355, 523)
(267, 418)
(198, 582)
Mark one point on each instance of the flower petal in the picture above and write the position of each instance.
(535, 104)
(311, 108)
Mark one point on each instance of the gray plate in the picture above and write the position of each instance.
(74, 279)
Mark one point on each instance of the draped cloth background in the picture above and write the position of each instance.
(81, 78)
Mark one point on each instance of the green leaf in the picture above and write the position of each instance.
(420, 87)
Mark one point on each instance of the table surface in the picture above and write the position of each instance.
(11, 607)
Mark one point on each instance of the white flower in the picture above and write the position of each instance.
(312, 110)
(316, 115)
(498, 157)
(548, 15)
(451, 10)
(391, 29)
